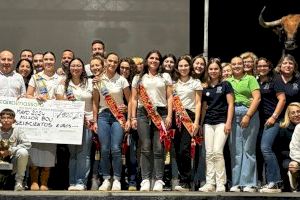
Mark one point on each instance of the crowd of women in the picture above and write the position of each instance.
(160, 108)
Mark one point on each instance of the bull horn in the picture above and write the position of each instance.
(267, 24)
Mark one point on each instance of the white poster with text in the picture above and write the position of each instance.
(52, 121)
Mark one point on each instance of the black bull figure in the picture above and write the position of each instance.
(286, 27)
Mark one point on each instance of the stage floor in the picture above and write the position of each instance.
(125, 195)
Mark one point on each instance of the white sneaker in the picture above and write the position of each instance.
(158, 186)
(145, 185)
(270, 188)
(207, 188)
(19, 186)
(105, 185)
(116, 186)
(79, 187)
(71, 188)
(235, 188)
(292, 180)
(220, 188)
(249, 189)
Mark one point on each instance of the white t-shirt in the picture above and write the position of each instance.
(12, 85)
(115, 87)
(155, 86)
(82, 92)
(87, 69)
(187, 92)
(51, 83)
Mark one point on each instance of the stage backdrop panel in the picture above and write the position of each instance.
(128, 27)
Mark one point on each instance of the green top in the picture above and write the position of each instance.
(243, 89)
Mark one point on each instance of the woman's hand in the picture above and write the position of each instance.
(134, 123)
(96, 79)
(94, 127)
(270, 122)
(168, 122)
(227, 128)
(195, 129)
(127, 125)
(245, 121)
(42, 97)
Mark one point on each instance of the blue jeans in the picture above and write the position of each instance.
(149, 136)
(110, 134)
(243, 149)
(271, 164)
(79, 165)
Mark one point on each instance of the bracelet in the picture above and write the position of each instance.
(133, 118)
(275, 115)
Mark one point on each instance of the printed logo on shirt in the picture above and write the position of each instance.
(219, 90)
(295, 86)
(267, 86)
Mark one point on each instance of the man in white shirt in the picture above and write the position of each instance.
(98, 49)
(11, 83)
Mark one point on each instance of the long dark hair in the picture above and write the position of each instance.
(176, 74)
(146, 66)
(132, 68)
(83, 77)
(270, 66)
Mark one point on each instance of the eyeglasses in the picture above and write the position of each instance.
(124, 68)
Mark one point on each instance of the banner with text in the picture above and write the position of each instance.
(52, 121)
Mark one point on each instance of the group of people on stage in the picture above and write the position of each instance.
(158, 111)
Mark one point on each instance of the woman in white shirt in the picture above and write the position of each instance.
(43, 86)
(78, 88)
(111, 88)
(189, 91)
(159, 90)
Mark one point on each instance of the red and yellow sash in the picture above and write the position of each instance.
(181, 114)
(164, 134)
(112, 105)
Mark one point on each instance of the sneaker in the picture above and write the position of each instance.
(158, 186)
(116, 186)
(207, 188)
(249, 189)
(105, 185)
(182, 187)
(19, 186)
(79, 187)
(235, 188)
(293, 181)
(270, 188)
(145, 185)
(71, 188)
(132, 188)
(221, 188)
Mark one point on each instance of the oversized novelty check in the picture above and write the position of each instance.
(52, 121)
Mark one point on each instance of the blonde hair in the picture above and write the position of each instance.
(137, 60)
(249, 54)
(286, 121)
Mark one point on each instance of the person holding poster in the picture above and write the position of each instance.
(42, 86)
(108, 102)
(78, 88)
